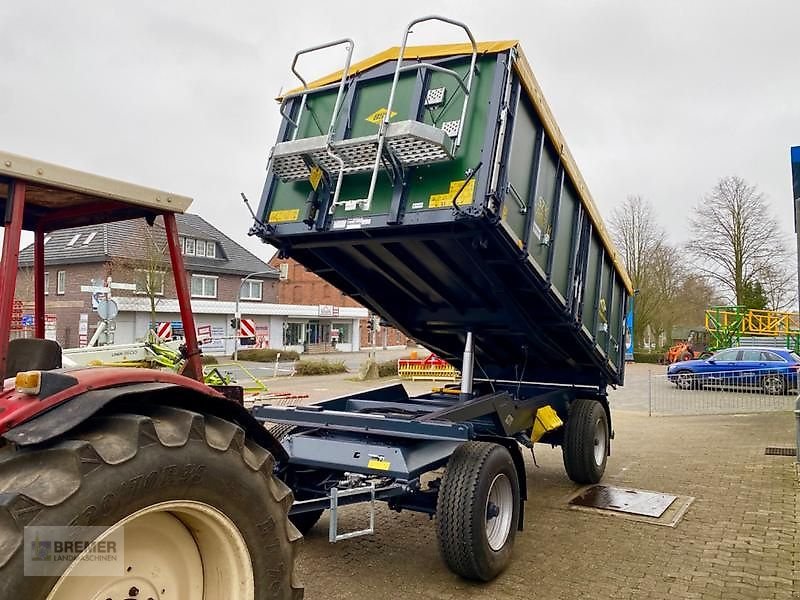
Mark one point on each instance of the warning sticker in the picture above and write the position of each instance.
(284, 216)
(444, 200)
(378, 465)
(378, 116)
(314, 177)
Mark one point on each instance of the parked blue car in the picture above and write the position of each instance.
(772, 370)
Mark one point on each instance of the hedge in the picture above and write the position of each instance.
(319, 367)
(648, 357)
(266, 354)
(387, 368)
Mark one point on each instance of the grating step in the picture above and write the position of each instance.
(772, 451)
(410, 142)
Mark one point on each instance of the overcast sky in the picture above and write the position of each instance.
(658, 99)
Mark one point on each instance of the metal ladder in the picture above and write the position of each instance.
(402, 144)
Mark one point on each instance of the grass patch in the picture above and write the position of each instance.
(320, 367)
(267, 355)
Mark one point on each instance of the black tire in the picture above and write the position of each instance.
(773, 385)
(461, 510)
(116, 464)
(303, 521)
(586, 438)
(685, 380)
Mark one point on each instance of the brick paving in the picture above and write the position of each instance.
(739, 538)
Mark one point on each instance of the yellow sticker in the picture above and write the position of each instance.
(378, 465)
(505, 211)
(314, 176)
(444, 200)
(378, 116)
(284, 216)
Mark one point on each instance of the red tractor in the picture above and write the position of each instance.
(182, 470)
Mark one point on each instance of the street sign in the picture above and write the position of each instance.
(247, 328)
(164, 331)
(107, 310)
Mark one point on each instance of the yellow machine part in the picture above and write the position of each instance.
(546, 420)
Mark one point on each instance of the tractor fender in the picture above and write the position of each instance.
(76, 409)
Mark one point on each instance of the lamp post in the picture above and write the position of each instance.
(237, 315)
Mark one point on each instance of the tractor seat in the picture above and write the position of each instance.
(28, 354)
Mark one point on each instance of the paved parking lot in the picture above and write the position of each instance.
(739, 538)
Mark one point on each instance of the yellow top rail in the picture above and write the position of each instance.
(753, 322)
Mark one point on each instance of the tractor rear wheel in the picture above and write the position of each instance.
(200, 512)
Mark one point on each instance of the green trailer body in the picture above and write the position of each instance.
(473, 217)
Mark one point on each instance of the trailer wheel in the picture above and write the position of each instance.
(585, 446)
(303, 521)
(477, 510)
(202, 513)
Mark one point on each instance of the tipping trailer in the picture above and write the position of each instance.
(432, 185)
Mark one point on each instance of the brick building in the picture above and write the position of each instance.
(133, 253)
(218, 269)
(298, 285)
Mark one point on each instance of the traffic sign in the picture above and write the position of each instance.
(164, 331)
(247, 328)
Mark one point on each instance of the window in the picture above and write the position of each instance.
(89, 238)
(61, 282)
(284, 271)
(189, 250)
(149, 282)
(751, 355)
(344, 332)
(251, 290)
(726, 355)
(768, 356)
(199, 248)
(182, 242)
(204, 286)
(74, 239)
(46, 283)
(294, 334)
(211, 249)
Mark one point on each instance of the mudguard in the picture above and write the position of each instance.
(27, 419)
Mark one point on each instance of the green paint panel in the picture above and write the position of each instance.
(562, 243)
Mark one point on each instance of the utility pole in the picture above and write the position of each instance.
(795, 157)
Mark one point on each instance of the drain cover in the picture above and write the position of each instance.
(635, 502)
(780, 451)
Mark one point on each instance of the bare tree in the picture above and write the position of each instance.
(737, 244)
(640, 239)
(147, 263)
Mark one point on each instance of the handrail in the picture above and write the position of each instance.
(398, 69)
(304, 93)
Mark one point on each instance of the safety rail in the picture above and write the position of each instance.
(399, 68)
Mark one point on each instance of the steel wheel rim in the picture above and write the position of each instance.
(773, 385)
(600, 442)
(196, 550)
(500, 500)
(685, 380)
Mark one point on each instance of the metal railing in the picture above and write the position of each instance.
(748, 390)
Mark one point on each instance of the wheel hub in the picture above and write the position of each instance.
(499, 511)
